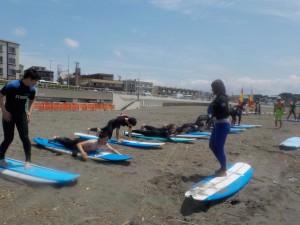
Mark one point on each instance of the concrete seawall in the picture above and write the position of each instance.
(120, 101)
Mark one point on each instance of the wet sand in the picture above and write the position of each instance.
(149, 189)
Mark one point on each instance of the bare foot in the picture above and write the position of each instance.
(221, 173)
(3, 162)
(27, 165)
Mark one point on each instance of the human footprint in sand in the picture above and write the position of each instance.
(84, 146)
(221, 128)
(17, 93)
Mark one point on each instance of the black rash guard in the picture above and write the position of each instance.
(113, 124)
(220, 108)
(17, 94)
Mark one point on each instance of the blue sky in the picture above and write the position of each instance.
(179, 43)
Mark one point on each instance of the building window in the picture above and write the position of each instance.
(1, 59)
(11, 50)
(1, 48)
(12, 61)
(11, 72)
(1, 71)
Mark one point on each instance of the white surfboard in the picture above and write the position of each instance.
(290, 143)
(213, 188)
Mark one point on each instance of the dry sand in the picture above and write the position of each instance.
(150, 188)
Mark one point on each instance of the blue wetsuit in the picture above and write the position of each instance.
(16, 94)
(220, 113)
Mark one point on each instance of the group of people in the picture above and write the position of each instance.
(14, 113)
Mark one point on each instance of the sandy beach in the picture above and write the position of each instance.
(149, 189)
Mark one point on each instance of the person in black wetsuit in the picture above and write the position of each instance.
(165, 131)
(17, 93)
(236, 111)
(121, 120)
(221, 128)
(292, 110)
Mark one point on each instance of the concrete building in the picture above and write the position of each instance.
(45, 74)
(138, 87)
(9, 60)
(97, 81)
(175, 92)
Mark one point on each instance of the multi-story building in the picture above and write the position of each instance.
(138, 87)
(179, 92)
(45, 74)
(9, 60)
(98, 81)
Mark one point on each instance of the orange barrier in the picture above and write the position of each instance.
(72, 106)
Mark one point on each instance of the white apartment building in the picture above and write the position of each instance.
(9, 60)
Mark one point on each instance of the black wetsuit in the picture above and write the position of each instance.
(236, 111)
(17, 95)
(112, 124)
(155, 132)
(292, 110)
(70, 143)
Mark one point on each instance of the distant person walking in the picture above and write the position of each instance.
(16, 93)
(292, 109)
(221, 128)
(257, 108)
(278, 111)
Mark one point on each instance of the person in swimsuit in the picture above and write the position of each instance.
(221, 127)
(278, 111)
(84, 146)
(17, 93)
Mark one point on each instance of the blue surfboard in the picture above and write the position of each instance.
(245, 126)
(175, 139)
(95, 155)
(293, 120)
(214, 188)
(193, 135)
(36, 174)
(139, 144)
(290, 143)
(232, 130)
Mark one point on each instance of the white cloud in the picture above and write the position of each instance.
(19, 31)
(71, 43)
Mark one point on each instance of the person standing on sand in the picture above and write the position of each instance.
(292, 110)
(221, 128)
(16, 93)
(278, 111)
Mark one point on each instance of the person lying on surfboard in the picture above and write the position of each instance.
(83, 146)
(165, 131)
(121, 120)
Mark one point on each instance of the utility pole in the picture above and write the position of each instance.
(76, 73)
(68, 73)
